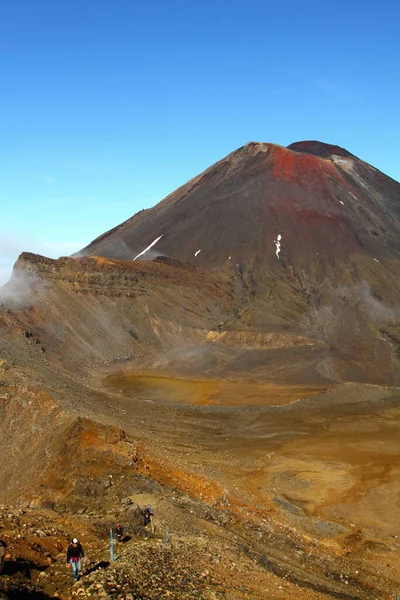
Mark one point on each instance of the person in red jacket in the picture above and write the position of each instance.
(74, 555)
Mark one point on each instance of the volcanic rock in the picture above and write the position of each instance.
(228, 357)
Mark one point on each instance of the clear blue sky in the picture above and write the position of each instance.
(108, 105)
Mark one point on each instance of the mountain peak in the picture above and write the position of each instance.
(320, 149)
(323, 202)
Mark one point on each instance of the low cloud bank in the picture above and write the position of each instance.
(19, 291)
(11, 247)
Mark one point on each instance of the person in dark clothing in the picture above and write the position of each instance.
(147, 513)
(3, 549)
(74, 555)
(119, 532)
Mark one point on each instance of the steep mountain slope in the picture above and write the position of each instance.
(324, 202)
(89, 311)
(308, 237)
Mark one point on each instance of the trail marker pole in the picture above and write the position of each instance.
(166, 535)
(111, 546)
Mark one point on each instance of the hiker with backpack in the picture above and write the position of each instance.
(119, 532)
(147, 514)
(74, 557)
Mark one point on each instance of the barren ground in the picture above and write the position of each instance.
(248, 396)
(293, 495)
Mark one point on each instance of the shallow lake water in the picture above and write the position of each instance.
(206, 391)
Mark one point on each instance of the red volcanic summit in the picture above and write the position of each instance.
(325, 203)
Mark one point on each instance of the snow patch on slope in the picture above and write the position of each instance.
(277, 243)
(148, 247)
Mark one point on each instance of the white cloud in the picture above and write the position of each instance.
(5, 272)
(12, 246)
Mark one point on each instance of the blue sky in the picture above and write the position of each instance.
(109, 105)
